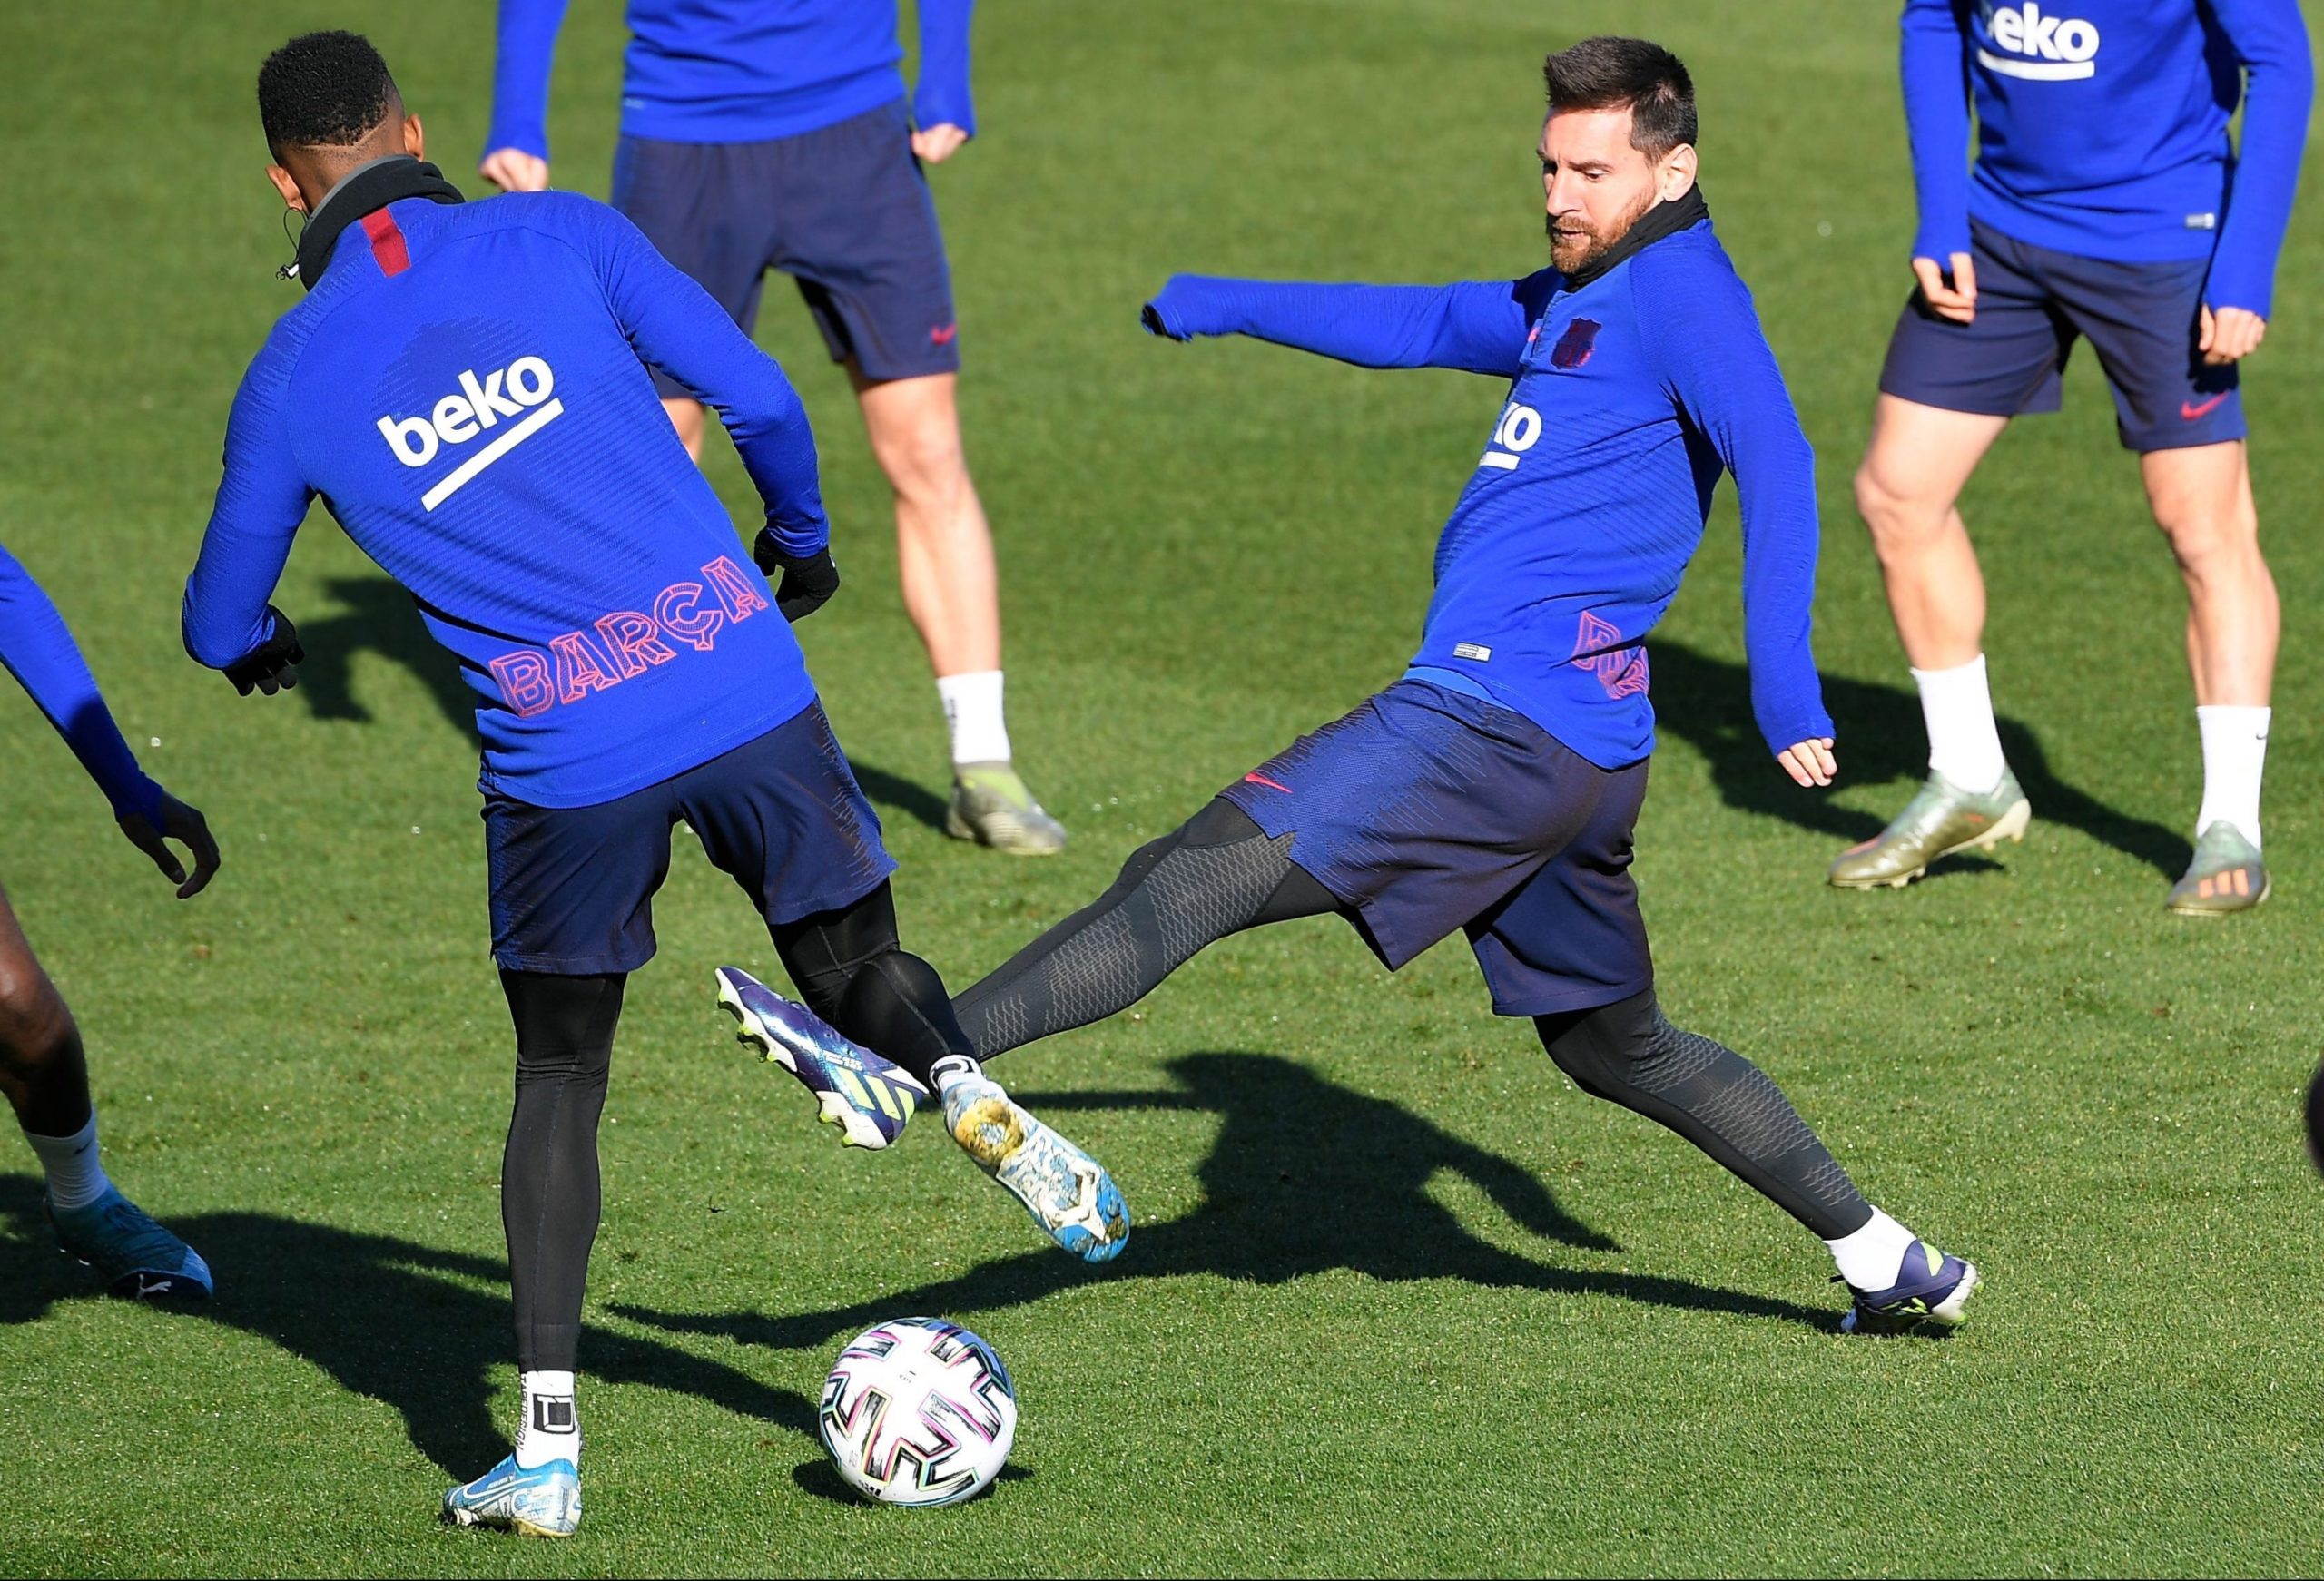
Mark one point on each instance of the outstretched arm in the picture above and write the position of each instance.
(1478, 326)
(39, 651)
(262, 498)
(2272, 42)
(1704, 335)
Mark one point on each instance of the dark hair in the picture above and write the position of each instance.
(1615, 74)
(323, 90)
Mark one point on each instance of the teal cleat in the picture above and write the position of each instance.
(2225, 876)
(868, 1098)
(1069, 1194)
(545, 1502)
(991, 806)
(1941, 819)
(136, 1258)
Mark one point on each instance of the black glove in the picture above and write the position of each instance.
(806, 586)
(273, 665)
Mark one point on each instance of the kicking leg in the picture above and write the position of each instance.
(1629, 1054)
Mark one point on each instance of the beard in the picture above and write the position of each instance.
(1575, 249)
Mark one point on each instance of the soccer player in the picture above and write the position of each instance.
(2105, 202)
(43, 1068)
(466, 388)
(766, 134)
(1495, 787)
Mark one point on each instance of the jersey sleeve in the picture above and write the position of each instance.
(525, 45)
(1477, 325)
(1934, 61)
(2270, 41)
(944, 94)
(1704, 335)
(40, 652)
(676, 327)
(262, 498)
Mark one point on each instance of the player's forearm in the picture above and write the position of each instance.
(38, 650)
(526, 45)
(943, 96)
(770, 430)
(2271, 41)
(1477, 325)
(1931, 62)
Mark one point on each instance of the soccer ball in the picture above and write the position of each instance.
(918, 1411)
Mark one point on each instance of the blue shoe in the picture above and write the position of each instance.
(133, 1255)
(857, 1091)
(1069, 1194)
(545, 1502)
(1931, 1287)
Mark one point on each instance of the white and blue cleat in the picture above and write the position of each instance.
(865, 1096)
(1932, 1287)
(544, 1502)
(137, 1258)
(1069, 1194)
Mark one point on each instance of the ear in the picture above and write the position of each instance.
(1676, 174)
(415, 140)
(288, 187)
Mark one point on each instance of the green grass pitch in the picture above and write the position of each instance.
(1400, 1298)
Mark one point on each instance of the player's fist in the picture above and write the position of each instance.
(174, 821)
(935, 145)
(805, 585)
(512, 170)
(274, 665)
(2231, 334)
(1810, 762)
(1958, 301)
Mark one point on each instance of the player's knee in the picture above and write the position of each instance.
(1897, 516)
(35, 1025)
(1602, 1048)
(2205, 532)
(923, 459)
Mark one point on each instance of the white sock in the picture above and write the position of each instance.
(972, 708)
(2235, 750)
(551, 1429)
(1872, 1257)
(1962, 743)
(953, 1068)
(75, 1178)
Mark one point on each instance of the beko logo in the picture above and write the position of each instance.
(2039, 47)
(519, 390)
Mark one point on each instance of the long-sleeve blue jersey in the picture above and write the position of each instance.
(741, 70)
(40, 652)
(1630, 397)
(2102, 129)
(464, 388)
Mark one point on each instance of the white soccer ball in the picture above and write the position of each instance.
(918, 1411)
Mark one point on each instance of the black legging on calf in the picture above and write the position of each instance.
(849, 967)
(549, 1198)
(1715, 1098)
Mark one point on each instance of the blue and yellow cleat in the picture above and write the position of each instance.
(865, 1096)
(1931, 1287)
(545, 1502)
(136, 1258)
(1069, 1194)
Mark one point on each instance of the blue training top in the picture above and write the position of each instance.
(1632, 396)
(741, 70)
(2102, 130)
(463, 388)
(40, 652)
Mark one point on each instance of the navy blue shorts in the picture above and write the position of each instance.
(2144, 319)
(572, 887)
(843, 209)
(1426, 811)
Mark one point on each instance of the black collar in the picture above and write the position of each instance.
(1665, 218)
(370, 188)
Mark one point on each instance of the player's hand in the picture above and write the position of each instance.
(274, 665)
(936, 143)
(804, 585)
(512, 170)
(1810, 762)
(184, 825)
(1958, 301)
(2231, 334)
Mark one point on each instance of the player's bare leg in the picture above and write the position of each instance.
(1908, 490)
(952, 592)
(685, 416)
(2201, 498)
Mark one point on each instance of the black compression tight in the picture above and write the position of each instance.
(1715, 1098)
(851, 971)
(549, 1197)
(1216, 875)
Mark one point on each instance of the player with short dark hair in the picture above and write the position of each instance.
(43, 1067)
(1495, 788)
(467, 388)
(776, 135)
(2107, 203)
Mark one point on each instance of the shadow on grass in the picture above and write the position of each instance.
(376, 616)
(821, 1479)
(1306, 1177)
(894, 793)
(386, 1318)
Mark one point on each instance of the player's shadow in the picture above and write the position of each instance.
(894, 793)
(403, 1323)
(1306, 1177)
(1707, 703)
(376, 616)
